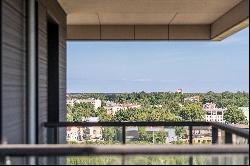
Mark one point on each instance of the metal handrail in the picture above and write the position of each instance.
(76, 150)
(231, 129)
(228, 128)
(120, 124)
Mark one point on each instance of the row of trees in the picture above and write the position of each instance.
(224, 99)
(190, 112)
(172, 112)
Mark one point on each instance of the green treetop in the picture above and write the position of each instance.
(192, 112)
(234, 115)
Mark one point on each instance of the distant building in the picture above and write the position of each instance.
(213, 114)
(132, 133)
(74, 134)
(201, 135)
(70, 102)
(209, 106)
(245, 110)
(113, 108)
(192, 99)
(79, 134)
(179, 91)
(171, 135)
(95, 102)
(95, 132)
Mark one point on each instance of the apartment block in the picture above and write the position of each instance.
(214, 114)
(95, 102)
(192, 99)
(80, 134)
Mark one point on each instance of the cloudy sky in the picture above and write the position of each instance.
(159, 66)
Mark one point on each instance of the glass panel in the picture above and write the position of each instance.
(94, 135)
(161, 160)
(222, 159)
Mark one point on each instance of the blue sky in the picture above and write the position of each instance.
(159, 66)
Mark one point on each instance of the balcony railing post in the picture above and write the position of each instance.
(124, 135)
(52, 137)
(190, 160)
(228, 137)
(215, 160)
(52, 133)
(190, 134)
(124, 160)
(214, 135)
(246, 160)
(4, 160)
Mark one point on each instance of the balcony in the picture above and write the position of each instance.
(33, 83)
(230, 152)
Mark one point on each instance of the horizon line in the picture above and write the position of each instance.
(156, 92)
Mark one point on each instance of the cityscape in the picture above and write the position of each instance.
(226, 107)
(175, 106)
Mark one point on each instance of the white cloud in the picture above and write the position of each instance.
(142, 80)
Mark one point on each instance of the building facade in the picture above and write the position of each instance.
(42, 93)
(113, 108)
(214, 114)
(95, 102)
(81, 134)
(192, 99)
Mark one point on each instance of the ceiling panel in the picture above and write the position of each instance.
(83, 19)
(136, 18)
(193, 18)
(145, 11)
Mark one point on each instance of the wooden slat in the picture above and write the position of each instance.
(0, 71)
(42, 72)
(13, 70)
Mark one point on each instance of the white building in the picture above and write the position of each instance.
(171, 135)
(74, 134)
(95, 132)
(70, 102)
(95, 102)
(192, 99)
(214, 114)
(179, 91)
(245, 110)
(79, 134)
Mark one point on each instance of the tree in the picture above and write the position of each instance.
(108, 134)
(79, 111)
(143, 135)
(122, 116)
(234, 115)
(180, 131)
(70, 114)
(192, 112)
(160, 136)
(174, 106)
